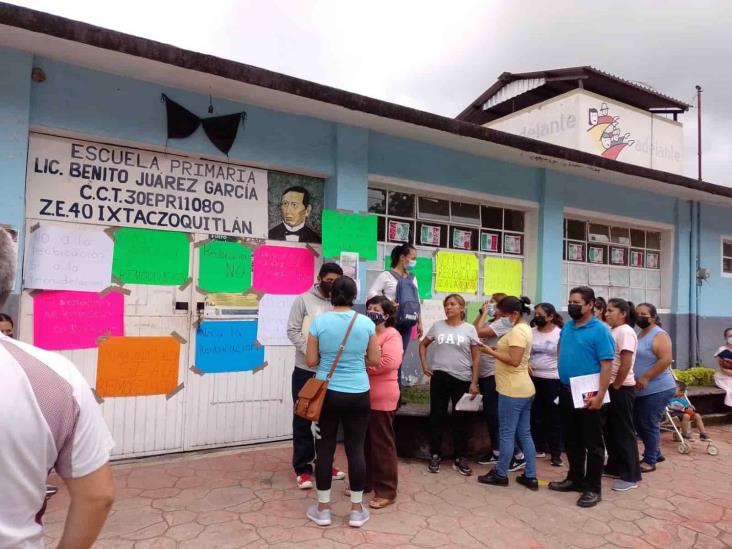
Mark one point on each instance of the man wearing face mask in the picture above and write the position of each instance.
(586, 346)
(304, 309)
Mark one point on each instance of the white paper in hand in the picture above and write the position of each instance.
(469, 404)
(584, 388)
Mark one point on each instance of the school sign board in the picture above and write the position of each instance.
(101, 184)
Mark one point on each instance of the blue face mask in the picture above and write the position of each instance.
(506, 322)
(411, 265)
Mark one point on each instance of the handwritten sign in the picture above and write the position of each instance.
(102, 184)
(137, 366)
(502, 275)
(65, 320)
(68, 258)
(423, 273)
(144, 256)
(283, 270)
(349, 232)
(456, 273)
(274, 310)
(228, 346)
(432, 311)
(225, 267)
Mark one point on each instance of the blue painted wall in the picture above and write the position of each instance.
(99, 104)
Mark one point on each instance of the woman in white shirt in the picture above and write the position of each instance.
(546, 426)
(403, 262)
(622, 448)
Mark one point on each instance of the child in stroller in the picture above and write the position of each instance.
(680, 408)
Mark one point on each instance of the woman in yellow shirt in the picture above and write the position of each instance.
(515, 393)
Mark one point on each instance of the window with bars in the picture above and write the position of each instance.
(430, 222)
(615, 260)
(727, 256)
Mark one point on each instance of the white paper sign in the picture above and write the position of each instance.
(87, 182)
(274, 310)
(68, 258)
(584, 387)
(432, 311)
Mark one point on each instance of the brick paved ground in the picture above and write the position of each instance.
(246, 498)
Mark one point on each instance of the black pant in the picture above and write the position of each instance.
(406, 333)
(490, 409)
(546, 427)
(303, 445)
(445, 388)
(582, 431)
(353, 410)
(622, 448)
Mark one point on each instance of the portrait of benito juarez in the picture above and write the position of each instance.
(295, 207)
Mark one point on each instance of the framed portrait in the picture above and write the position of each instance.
(295, 207)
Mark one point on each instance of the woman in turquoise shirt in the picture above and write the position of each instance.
(654, 382)
(347, 399)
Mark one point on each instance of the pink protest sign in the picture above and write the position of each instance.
(74, 320)
(283, 270)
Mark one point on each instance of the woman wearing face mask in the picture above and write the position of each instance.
(546, 427)
(403, 262)
(381, 454)
(515, 393)
(491, 328)
(723, 378)
(654, 382)
(453, 370)
(620, 440)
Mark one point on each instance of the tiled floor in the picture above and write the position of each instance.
(246, 498)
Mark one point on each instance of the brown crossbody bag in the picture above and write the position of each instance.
(312, 395)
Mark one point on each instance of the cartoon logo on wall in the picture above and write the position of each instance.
(605, 132)
(295, 207)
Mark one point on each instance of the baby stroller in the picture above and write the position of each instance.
(669, 424)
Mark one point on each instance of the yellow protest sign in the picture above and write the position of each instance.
(502, 275)
(456, 273)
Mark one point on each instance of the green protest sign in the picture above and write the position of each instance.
(349, 232)
(145, 256)
(225, 267)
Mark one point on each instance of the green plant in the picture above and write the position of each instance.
(416, 394)
(699, 375)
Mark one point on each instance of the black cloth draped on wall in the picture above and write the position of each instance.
(221, 130)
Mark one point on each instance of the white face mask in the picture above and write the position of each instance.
(729, 341)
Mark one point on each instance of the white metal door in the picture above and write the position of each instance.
(141, 425)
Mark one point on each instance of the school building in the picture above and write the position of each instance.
(574, 174)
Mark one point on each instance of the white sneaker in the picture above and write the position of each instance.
(357, 518)
(321, 518)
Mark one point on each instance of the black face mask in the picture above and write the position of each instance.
(325, 287)
(376, 318)
(540, 321)
(575, 311)
(643, 322)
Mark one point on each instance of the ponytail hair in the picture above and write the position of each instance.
(398, 252)
(626, 307)
(512, 304)
(549, 309)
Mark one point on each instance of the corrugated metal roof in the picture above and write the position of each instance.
(512, 89)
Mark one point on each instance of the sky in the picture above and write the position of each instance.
(439, 56)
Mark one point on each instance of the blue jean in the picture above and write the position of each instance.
(514, 417)
(648, 410)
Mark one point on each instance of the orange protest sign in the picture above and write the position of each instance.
(137, 366)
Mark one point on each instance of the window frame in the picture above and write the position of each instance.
(724, 239)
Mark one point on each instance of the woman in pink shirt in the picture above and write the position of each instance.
(381, 455)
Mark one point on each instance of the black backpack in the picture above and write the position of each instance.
(408, 299)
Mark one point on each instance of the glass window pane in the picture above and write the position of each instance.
(727, 252)
(727, 265)
(492, 217)
(431, 234)
(575, 251)
(653, 240)
(653, 260)
(490, 241)
(465, 213)
(599, 233)
(381, 229)
(576, 230)
(620, 235)
(637, 238)
(597, 254)
(637, 258)
(401, 204)
(618, 256)
(377, 201)
(513, 220)
(513, 244)
(434, 208)
(400, 230)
